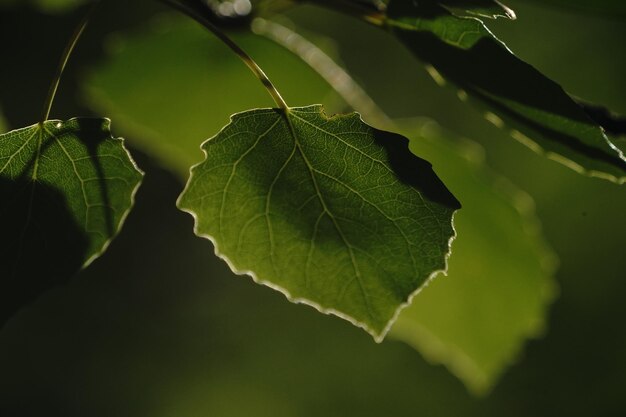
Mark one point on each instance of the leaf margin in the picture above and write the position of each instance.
(378, 337)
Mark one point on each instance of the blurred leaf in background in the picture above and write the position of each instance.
(499, 282)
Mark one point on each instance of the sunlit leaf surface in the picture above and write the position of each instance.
(330, 211)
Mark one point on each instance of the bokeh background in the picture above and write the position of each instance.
(159, 327)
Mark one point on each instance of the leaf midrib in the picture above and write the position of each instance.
(357, 272)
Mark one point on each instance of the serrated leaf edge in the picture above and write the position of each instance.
(106, 126)
(378, 336)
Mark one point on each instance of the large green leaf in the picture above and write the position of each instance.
(66, 188)
(171, 83)
(329, 211)
(499, 281)
(542, 116)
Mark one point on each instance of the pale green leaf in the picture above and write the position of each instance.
(538, 112)
(500, 280)
(330, 211)
(66, 188)
(192, 86)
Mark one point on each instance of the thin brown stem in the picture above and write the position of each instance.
(253, 66)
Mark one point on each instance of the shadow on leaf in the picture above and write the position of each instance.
(42, 245)
(414, 171)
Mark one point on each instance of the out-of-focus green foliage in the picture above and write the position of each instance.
(499, 280)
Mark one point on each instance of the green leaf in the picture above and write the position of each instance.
(329, 211)
(194, 84)
(540, 114)
(66, 188)
(492, 9)
(500, 280)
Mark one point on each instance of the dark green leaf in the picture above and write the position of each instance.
(540, 113)
(66, 188)
(330, 211)
(499, 280)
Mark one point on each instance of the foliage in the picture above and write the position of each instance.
(67, 188)
(328, 210)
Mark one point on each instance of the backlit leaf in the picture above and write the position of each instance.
(330, 211)
(65, 190)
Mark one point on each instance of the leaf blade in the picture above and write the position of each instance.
(67, 188)
(291, 211)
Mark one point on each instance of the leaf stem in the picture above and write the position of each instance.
(67, 52)
(337, 77)
(250, 63)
